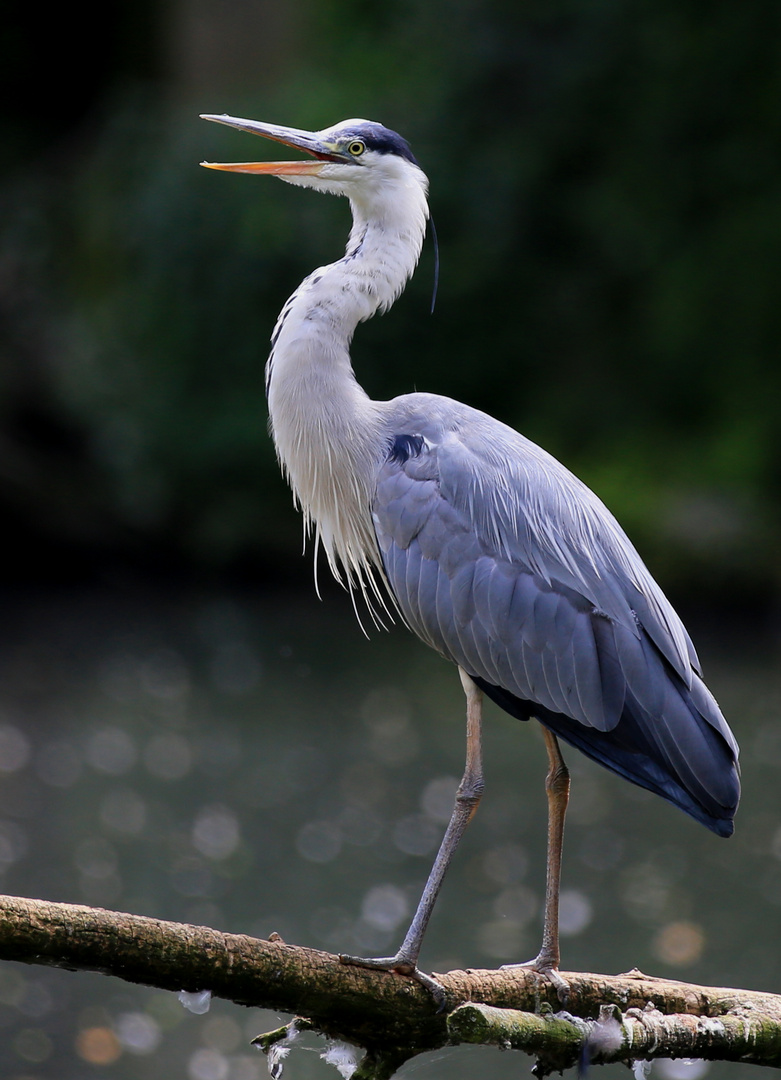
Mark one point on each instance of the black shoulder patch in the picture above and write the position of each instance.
(403, 447)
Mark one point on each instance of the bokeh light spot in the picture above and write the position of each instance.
(138, 1033)
(384, 907)
(416, 834)
(679, 943)
(13, 843)
(98, 1045)
(439, 797)
(95, 857)
(14, 748)
(575, 912)
(33, 1045)
(208, 1065)
(216, 832)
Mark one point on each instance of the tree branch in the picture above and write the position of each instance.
(564, 1040)
(391, 1017)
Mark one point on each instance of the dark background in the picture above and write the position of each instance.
(605, 183)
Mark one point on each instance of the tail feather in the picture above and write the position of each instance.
(685, 753)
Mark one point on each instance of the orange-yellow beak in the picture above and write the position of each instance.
(270, 168)
(308, 141)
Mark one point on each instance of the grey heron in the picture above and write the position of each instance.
(495, 554)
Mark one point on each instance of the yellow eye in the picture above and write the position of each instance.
(356, 148)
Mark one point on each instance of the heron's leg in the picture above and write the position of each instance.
(468, 796)
(557, 790)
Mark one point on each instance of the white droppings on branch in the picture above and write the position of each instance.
(343, 1057)
(198, 1001)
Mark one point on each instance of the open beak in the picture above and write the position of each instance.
(308, 141)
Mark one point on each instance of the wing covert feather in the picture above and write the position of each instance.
(503, 562)
(499, 617)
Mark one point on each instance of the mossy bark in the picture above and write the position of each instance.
(604, 1017)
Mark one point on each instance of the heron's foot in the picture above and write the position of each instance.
(402, 966)
(545, 965)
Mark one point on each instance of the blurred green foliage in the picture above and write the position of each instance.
(606, 183)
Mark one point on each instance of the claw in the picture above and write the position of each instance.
(401, 966)
(545, 968)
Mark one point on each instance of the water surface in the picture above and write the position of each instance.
(258, 765)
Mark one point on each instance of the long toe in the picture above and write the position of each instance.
(543, 967)
(401, 966)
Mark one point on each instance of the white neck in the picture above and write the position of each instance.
(328, 433)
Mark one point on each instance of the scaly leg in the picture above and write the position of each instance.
(557, 790)
(468, 796)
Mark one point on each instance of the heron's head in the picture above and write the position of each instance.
(360, 159)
